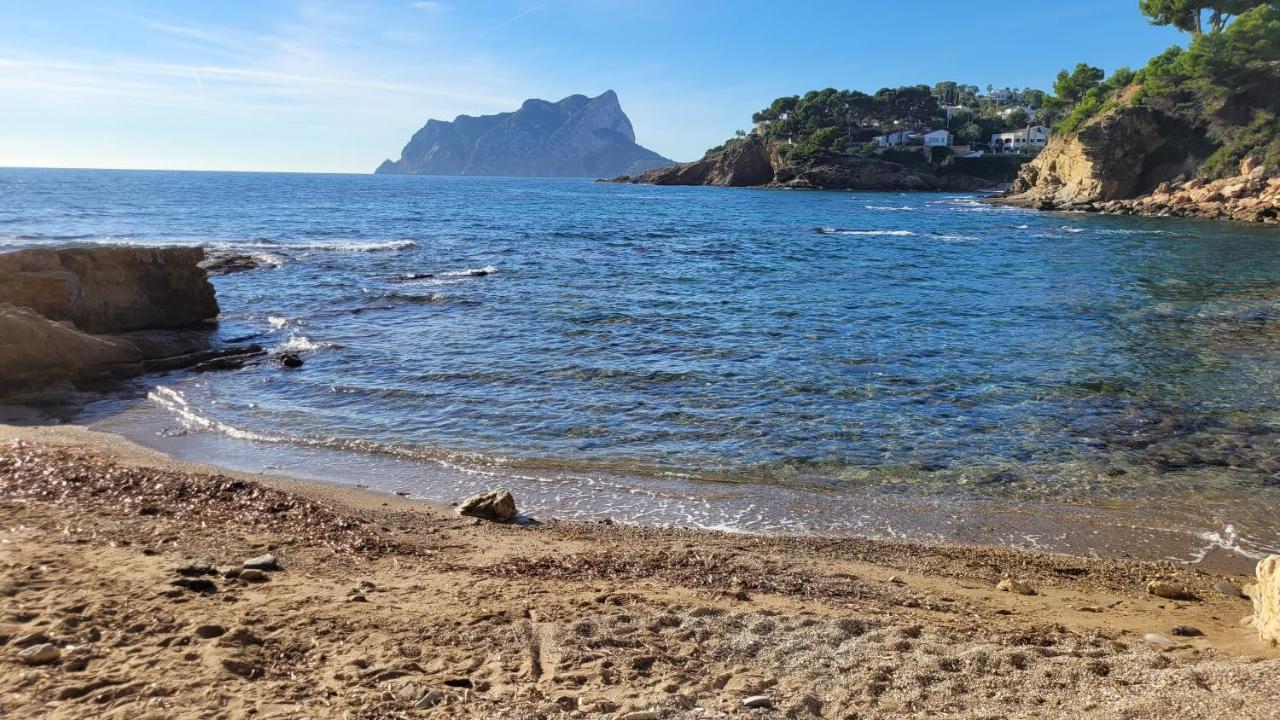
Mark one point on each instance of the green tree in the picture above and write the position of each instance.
(1071, 86)
(1189, 15)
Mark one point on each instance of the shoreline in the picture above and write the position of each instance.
(387, 605)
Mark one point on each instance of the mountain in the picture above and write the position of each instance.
(576, 137)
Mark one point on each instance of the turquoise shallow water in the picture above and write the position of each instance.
(924, 346)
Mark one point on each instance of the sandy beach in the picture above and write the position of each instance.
(130, 563)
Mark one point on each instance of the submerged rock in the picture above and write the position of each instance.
(290, 360)
(496, 505)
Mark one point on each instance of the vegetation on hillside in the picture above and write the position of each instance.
(1226, 82)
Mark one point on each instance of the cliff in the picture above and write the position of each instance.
(576, 137)
(84, 315)
(755, 161)
(1141, 161)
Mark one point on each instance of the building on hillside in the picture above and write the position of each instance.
(901, 137)
(1034, 137)
(938, 138)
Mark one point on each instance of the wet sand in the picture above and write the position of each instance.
(390, 607)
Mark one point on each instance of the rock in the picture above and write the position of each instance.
(757, 701)
(240, 636)
(111, 289)
(357, 597)
(430, 699)
(290, 360)
(1170, 591)
(576, 137)
(1015, 586)
(641, 715)
(208, 632)
(1230, 590)
(495, 505)
(262, 562)
(1266, 600)
(1157, 639)
(1186, 631)
(254, 576)
(242, 668)
(204, 586)
(196, 569)
(225, 263)
(42, 654)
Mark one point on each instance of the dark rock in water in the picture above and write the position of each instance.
(479, 273)
(290, 360)
(219, 263)
(418, 276)
(576, 137)
(496, 505)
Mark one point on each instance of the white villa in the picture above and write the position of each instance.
(933, 138)
(1034, 137)
(938, 138)
(901, 137)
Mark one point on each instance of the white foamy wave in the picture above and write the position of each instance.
(276, 322)
(957, 238)
(865, 233)
(903, 208)
(174, 401)
(301, 343)
(1070, 229)
(319, 246)
(1227, 539)
(474, 272)
(269, 258)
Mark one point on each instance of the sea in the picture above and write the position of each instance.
(922, 366)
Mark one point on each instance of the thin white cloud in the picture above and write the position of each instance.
(429, 6)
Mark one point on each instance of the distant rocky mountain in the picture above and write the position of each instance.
(576, 137)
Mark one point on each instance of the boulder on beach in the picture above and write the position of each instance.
(495, 505)
(1265, 594)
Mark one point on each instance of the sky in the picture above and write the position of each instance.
(337, 86)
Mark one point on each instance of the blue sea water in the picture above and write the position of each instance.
(625, 344)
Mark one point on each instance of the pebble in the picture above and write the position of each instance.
(641, 715)
(262, 562)
(1187, 631)
(1169, 591)
(357, 597)
(200, 585)
(254, 576)
(1015, 586)
(758, 701)
(42, 654)
(430, 699)
(1157, 639)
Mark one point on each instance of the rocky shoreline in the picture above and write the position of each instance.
(137, 587)
(753, 161)
(76, 317)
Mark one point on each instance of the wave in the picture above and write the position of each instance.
(470, 272)
(318, 246)
(864, 233)
(904, 208)
(301, 343)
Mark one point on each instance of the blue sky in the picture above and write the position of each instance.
(323, 85)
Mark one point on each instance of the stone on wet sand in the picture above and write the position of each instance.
(1170, 591)
(41, 654)
(1015, 586)
(267, 561)
(496, 505)
(1265, 594)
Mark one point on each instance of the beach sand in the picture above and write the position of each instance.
(386, 607)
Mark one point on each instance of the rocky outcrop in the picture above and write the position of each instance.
(1138, 161)
(495, 505)
(576, 137)
(111, 289)
(85, 315)
(1265, 594)
(754, 161)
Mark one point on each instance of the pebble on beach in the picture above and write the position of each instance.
(1169, 591)
(1015, 586)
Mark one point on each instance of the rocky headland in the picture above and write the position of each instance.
(575, 137)
(82, 316)
(756, 161)
(1141, 161)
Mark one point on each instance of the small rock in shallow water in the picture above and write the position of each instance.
(757, 701)
(496, 505)
(39, 654)
(262, 562)
(291, 360)
(1169, 591)
(1015, 586)
(1187, 631)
